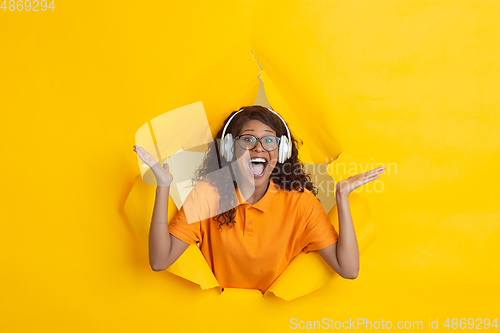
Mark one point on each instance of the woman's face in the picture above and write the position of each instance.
(256, 173)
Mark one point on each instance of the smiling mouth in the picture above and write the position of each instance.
(257, 168)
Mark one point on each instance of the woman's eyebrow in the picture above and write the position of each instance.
(252, 130)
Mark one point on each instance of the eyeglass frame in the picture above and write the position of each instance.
(259, 139)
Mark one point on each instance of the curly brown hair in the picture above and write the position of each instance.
(289, 175)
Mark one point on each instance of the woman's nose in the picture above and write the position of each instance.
(259, 143)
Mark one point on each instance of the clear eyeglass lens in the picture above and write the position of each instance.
(250, 142)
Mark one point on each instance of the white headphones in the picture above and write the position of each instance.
(227, 149)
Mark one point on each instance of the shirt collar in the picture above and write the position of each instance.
(265, 202)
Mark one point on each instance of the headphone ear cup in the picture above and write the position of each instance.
(284, 148)
(230, 152)
(280, 152)
(289, 149)
(222, 146)
(228, 147)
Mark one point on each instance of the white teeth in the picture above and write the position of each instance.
(258, 159)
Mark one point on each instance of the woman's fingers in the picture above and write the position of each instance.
(144, 155)
(362, 178)
(141, 154)
(380, 169)
(376, 171)
(143, 151)
(140, 149)
(371, 178)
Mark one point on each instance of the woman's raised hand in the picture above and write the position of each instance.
(162, 173)
(344, 187)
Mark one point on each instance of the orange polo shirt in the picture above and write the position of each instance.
(264, 239)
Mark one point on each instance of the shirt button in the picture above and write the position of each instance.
(249, 222)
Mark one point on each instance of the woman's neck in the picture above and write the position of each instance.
(254, 194)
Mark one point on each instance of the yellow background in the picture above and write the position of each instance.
(414, 83)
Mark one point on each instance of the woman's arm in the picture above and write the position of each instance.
(159, 237)
(164, 248)
(347, 245)
(343, 256)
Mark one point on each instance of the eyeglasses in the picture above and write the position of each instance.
(248, 141)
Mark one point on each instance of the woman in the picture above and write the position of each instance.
(253, 235)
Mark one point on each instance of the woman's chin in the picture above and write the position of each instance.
(262, 180)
